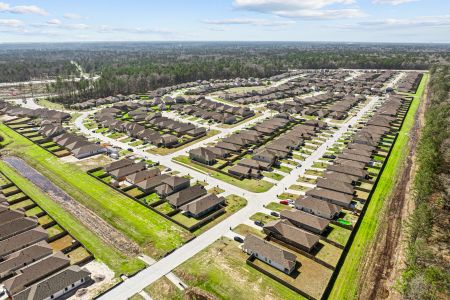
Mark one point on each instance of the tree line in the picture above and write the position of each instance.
(427, 275)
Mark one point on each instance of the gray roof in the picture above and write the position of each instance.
(53, 284)
(280, 256)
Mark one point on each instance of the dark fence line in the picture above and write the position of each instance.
(358, 223)
(250, 262)
(167, 216)
(52, 223)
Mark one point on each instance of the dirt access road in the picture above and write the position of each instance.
(96, 224)
(386, 258)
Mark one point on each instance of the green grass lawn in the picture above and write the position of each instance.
(347, 283)
(221, 270)
(118, 262)
(338, 234)
(245, 230)
(49, 104)
(272, 175)
(276, 206)
(252, 185)
(134, 220)
(259, 216)
(233, 204)
(284, 169)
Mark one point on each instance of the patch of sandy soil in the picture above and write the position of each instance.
(103, 278)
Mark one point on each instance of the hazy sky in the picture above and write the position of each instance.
(225, 20)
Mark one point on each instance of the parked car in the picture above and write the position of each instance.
(130, 149)
(284, 202)
(259, 223)
(238, 239)
(275, 214)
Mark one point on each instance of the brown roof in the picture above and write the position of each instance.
(128, 170)
(142, 175)
(58, 282)
(22, 240)
(118, 164)
(280, 256)
(36, 272)
(340, 177)
(174, 181)
(335, 185)
(186, 195)
(24, 257)
(16, 226)
(317, 205)
(330, 195)
(348, 170)
(301, 217)
(292, 233)
(152, 182)
(8, 215)
(202, 204)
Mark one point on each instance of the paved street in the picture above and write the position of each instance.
(256, 203)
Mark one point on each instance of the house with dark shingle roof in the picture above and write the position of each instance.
(305, 220)
(36, 272)
(334, 197)
(172, 185)
(318, 207)
(335, 185)
(269, 253)
(287, 232)
(203, 155)
(186, 195)
(57, 285)
(22, 240)
(203, 205)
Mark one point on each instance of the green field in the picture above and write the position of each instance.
(221, 270)
(118, 262)
(347, 282)
(134, 220)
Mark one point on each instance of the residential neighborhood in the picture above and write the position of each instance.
(283, 172)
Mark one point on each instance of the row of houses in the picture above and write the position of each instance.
(194, 200)
(78, 145)
(215, 111)
(154, 129)
(41, 114)
(300, 228)
(410, 82)
(29, 267)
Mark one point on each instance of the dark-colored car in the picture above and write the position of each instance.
(238, 239)
(130, 149)
(275, 214)
(259, 223)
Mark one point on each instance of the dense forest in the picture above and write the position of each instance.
(128, 68)
(427, 275)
